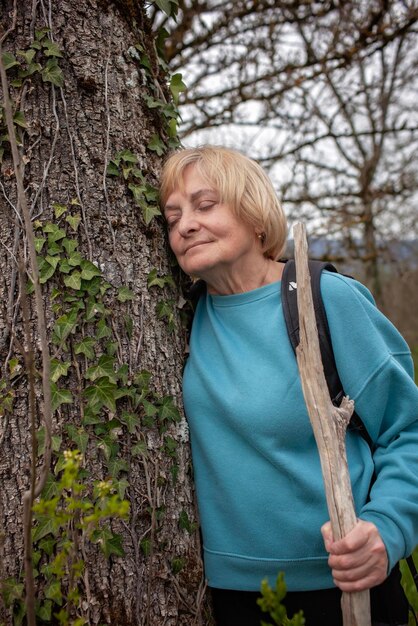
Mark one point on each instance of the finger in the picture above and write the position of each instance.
(354, 574)
(327, 536)
(359, 583)
(350, 560)
(355, 540)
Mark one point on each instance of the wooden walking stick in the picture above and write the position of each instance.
(329, 424)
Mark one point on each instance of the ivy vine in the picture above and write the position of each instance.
(118, 408)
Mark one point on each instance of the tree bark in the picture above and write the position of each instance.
(329, 424)
(67, 138)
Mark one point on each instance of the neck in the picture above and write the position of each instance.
(240, 281)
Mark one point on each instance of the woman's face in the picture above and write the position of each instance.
(204, 234)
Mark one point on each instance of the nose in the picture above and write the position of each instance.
(188, 224)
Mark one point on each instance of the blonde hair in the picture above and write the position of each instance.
(242, 184)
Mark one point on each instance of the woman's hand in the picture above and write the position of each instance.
(359, 560)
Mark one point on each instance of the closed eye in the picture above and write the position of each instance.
(172, 221)
(208, 204)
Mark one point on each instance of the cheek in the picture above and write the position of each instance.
(173, 241)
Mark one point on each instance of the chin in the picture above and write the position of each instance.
(196, 269)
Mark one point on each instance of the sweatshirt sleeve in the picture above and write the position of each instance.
(376, 370)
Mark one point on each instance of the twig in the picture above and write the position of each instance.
(35, 489)
(329, 424)
(13, 26)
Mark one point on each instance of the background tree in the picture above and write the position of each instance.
(322, 93)
(90, 363)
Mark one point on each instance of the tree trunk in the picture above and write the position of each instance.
(80, 82)
(371, 253)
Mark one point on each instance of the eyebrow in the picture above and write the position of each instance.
(194, 196)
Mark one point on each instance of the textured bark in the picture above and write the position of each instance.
(72, 134)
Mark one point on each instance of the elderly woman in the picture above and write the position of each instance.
(258, 479)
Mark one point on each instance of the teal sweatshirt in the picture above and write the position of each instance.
(258, 479)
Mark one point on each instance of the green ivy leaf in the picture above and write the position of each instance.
(19, 119)
(121, 486)
(58, 369)
(168, 411)
(116, 466)
(174, 471)
(125, 294)
(79, 436)
(153, 280)
(140, 449)
(127, 156)
(86, 347)
(44, 612)
(48, 545)
(101, 393)
(112, 169)
(75, 259)
(60, 396)
(131, 420)
(59, 209)
(52, 260)
(177, 86)
(14, 368)
(142, 379)
(9, 60)
(149, 409)
(45, 526)
(149, 212)
(64, 326)
(54, 248)
(12, 590)
(31, 69)
(103, 330)
(177, 565)
(152, 103)
(51, 49)
(170, 446)
(90, 418)
(40, 34)
(73, 280)
(166, 6)
(185, 523)
(93, 308)
(137, 192)
(89, 270)
(53, 592)
(52, 73)
(146, 546)
(156, 145)
(172, 129)
(123, 371)
(65, 267)
(110, 543)
(28, 55)
(54, 232)
(46, 270)
(104, 368)
(73, 221)
(69, 245)
(39, 243)
(129, 325)
(165, 310)
(51, 489)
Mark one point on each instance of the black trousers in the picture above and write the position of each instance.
(389, 606)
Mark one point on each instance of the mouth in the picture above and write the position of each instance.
(194, 245)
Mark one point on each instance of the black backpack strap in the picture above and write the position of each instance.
(192, 296)
(196, 290)
(290, 311)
